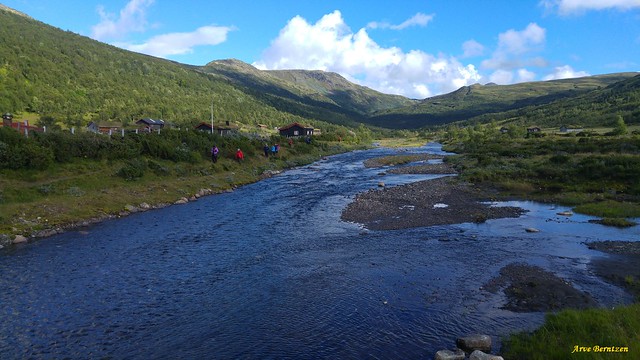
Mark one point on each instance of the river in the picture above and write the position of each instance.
(270, 271)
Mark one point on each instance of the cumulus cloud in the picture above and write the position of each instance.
(565, 72)
(472, 48)
(180, 43)
(418, 19)
(567, 7)
(515, 48)
(330, 45)
(132, 18)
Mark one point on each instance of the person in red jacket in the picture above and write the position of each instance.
(239, 155)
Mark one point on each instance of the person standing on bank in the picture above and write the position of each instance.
(239, 155)
(266, 150)
(214, 154)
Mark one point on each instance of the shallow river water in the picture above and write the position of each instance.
(270, 271)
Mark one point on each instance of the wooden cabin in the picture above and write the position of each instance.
(295, 129)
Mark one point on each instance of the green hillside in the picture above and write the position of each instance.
(486, 102)
(74, 79)
(599, 107)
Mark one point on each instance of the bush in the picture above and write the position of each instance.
(133, 169)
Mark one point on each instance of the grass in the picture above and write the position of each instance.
(562, 332)
(610, 209)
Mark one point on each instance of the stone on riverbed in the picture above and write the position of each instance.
(479, 355)
(474, 342)
(19, 239)
(531, 230)
(456, 354)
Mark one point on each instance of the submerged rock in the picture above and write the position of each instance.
(531, 230)
(474, 342)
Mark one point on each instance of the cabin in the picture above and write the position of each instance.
(102, 128)
(220, 129)
(150, 124)
(22, 127)
(504, 130)
(534, 129)
(569, 129)
(295, 129)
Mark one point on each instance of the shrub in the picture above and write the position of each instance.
(133, 169)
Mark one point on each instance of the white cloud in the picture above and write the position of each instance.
(472, 48)
(418, 19)
(501, 77)
(180, 43)
(525, 75)
(565, 72)
(515, 46)
(330, 45)
(567, 7)
(506, 77)
(132, 19)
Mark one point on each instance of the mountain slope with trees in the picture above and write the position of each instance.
(486, 102)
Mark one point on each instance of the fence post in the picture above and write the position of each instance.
(73, 130)
(122, 133)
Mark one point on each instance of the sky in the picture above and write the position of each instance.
(414, 48)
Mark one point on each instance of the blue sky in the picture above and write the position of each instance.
(416, 48)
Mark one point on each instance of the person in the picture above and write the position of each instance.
(239, 155)
(214, 154)
(273, 150)
(290, 142)
(266, 150)
(277, 148)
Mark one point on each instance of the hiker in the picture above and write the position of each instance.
(290, 142)
(239, 155)
(214, 154)
(277, 148)
(273, 150)
(266, 150)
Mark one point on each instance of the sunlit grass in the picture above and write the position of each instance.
(562, 332)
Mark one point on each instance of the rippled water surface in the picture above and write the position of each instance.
(270, 271)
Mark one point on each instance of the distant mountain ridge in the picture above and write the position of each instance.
(480, 102)
(328, 87)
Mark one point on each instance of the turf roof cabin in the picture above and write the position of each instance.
(296, 129)
(226, 129)
(150, 124)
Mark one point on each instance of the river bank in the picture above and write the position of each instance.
(81, 194)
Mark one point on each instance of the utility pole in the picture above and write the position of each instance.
(211, 117)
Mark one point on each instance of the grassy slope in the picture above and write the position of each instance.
(477, 100)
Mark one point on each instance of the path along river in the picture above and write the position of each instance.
(270, 271)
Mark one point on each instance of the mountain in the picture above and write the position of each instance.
(483, 101)
(74, 79)
(326, 89)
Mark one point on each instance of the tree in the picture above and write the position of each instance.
(620, 128)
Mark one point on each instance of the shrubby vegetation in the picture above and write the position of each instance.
(602, 171)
